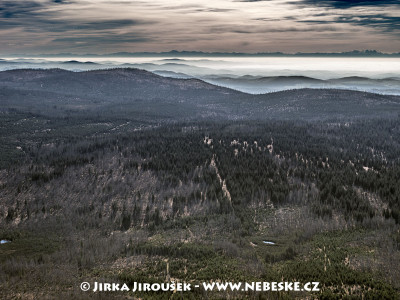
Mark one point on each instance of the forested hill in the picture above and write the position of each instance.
(139, 93)
(125, 176)
(112, 85)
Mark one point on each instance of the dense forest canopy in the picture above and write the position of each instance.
(125, 176)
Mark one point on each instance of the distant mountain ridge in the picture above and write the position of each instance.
(354, 53)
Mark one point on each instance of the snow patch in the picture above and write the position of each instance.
(268, 242)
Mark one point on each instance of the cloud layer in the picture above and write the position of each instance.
(89, 26)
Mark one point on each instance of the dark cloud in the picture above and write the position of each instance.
(343, 4)
(20, 13)
(18, 9)
(266, 19)
(381, 21)
(387, 23)
(44, 24)
(35, 17)
(263, 29)
(102, 25)
(378, 21)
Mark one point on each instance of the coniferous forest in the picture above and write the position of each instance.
(168, 179)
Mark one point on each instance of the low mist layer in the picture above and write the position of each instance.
(254, 75)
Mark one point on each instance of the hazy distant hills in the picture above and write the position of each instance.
(354, 53)
(138, 94)
(259, 84)
(234, 74)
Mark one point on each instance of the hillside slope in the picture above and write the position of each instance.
(58, 92)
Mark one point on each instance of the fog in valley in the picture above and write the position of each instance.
(254, 75)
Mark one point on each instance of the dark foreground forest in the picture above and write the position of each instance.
(125, 176)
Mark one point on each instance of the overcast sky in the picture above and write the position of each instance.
(90, 26)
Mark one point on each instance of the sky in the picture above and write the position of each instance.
(97, 26)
